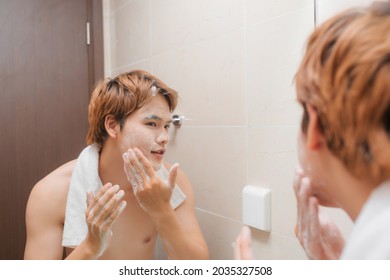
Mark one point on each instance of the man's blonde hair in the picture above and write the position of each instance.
(345, 76)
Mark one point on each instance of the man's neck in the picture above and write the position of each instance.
(111, 168)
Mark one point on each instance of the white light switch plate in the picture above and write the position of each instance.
(256, 207)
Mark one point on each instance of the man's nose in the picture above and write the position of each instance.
(163, 137)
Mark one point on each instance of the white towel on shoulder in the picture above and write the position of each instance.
(85, 177)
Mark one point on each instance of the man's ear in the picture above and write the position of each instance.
(112, 126)
(314, 138)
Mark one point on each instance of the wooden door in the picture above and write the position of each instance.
(46, 74)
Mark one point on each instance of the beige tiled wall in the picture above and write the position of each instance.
(233, 63)
(327, 8)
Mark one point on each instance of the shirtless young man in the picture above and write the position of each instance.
(129, 119)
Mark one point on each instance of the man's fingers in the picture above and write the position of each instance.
(246, 249)
(303, 199)
(100, 193)
(242, 246)
(100, 201)
(138, 170)
(110, 220)
(297, 180)
(132, 173)
(296, 185)
(103, 189)
(144, 162)
(314, 228)
(109, 207)
(89, 198)
(173, 175)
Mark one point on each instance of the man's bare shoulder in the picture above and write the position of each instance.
(45, 214)
(58, 179)
(52, 190)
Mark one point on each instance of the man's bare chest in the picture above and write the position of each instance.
(134, 235)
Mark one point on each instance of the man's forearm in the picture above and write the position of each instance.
(82, 252)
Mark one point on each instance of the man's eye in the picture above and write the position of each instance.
(151, 124)
(167, 126)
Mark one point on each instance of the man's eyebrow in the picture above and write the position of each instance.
(153, 117)
(156, 118)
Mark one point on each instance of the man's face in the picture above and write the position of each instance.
(147, 129)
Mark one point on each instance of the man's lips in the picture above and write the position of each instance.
(159, 152)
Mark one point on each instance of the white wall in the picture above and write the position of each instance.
(326, 8)
(233, 63)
